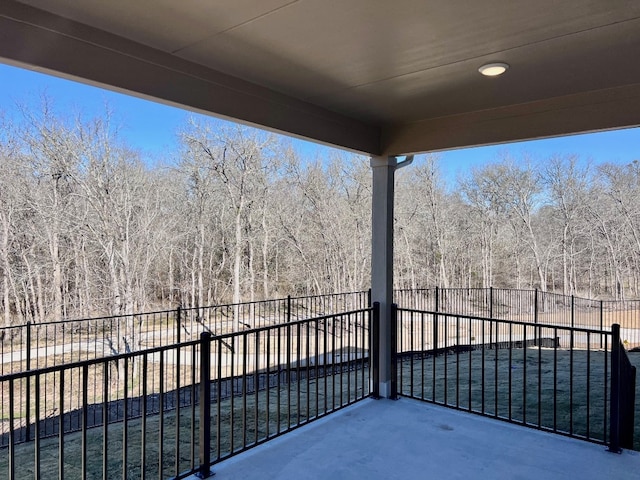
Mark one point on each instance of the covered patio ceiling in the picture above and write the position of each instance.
(374, 76)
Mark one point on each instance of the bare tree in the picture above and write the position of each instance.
(567, 183)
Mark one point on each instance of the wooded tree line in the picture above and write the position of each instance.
(559, 224)
(88, 226)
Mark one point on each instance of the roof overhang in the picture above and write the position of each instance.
(371, 76)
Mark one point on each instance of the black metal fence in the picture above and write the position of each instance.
(140, 407)
(531, 306)
(551, 377)
(171, 411)
(40, 345)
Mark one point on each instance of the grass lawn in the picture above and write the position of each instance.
(539, 387)
(237, 423)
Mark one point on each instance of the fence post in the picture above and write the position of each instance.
(614, 416)
(573, 318)
(28, 392)
(601, 322)
(573, 311)
(369, 298)
(28, 341)
(178, 322)
(490, 302)
(374, 350)
(435, 327)
(394, 352)
(289, 348)
(205, 406)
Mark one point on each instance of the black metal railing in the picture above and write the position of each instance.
(172, 411)
(531, 306)
(550, 377)
(40, 345)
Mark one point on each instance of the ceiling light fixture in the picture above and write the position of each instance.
(493, 69)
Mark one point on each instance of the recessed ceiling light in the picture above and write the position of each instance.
(493, 69)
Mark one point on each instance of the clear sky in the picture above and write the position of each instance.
(151, 127)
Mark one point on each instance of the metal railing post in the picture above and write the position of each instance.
(28, 341)
(490, 302)
(537, 331)
(205, 407)
(12, 441)
(491, 317)
(573, 311)
(394, 352)
(435, 327)
(289, 346)
(178, 322)
(614, 416)
(374, 350)
(601, 322)
(28, 390)
(573, 318)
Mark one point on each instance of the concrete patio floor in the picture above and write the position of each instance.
(407, 439)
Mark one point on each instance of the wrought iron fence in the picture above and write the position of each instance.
(550, 377)
(175, 410)
(531, 306)
(40, 345)
(253, 371)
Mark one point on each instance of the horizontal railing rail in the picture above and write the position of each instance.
(550, 377)
(38, 345)
(176, 410)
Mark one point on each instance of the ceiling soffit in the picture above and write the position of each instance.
(368, 75)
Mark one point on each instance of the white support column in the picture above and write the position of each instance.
(382, 261)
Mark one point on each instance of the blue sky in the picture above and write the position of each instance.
(151, 127)
(148, 126)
